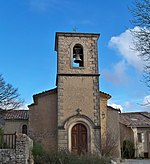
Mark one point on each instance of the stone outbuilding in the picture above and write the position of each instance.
(135, 127)
(15, 121)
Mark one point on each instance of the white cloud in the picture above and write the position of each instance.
(138, 105)
(124, 45)
(24, 107)
(128, 105)
(146, 104)
(131, 106)
(117, 75)
(146, 100)
(116, 106)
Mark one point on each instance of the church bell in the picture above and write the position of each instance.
(77, 55)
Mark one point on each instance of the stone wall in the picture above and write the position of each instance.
(7, 156)
(113, 132)
(141, 147)
(43, 120)
(12, 126)
(21, 155)
(126, 133)
(103, 118)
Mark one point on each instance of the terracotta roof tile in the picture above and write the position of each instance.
(106, 95)
(17, 115)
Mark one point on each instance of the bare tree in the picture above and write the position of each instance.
(140, 11)
(9, 97)
(110, 146)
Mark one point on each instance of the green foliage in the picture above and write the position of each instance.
(37, 150)
(128, 149)
(65, 157)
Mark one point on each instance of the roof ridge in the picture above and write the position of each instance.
(133, 112)
(46, 91)
(108, 95)
(118, 109)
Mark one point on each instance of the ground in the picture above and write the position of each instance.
(135, 161)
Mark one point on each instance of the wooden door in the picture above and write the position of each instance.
(79, 139)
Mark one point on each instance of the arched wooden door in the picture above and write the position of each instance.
(79, 139)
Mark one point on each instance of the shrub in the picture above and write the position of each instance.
(128, 149)
(65, 157)
(38, 152)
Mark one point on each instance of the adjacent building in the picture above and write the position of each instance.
(135, 127)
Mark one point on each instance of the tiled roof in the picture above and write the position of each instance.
(110, 107)
(44, 93)
(16, 115)
(135, 119)
(51, 91)
(106, 95)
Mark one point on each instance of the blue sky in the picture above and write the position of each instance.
(28, 59)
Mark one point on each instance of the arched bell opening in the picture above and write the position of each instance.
(79, 139)
(78, 58)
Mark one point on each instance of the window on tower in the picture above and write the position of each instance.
(24, 129)
(78, 58)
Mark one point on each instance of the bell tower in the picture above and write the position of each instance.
(78, 92)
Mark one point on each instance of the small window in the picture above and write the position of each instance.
(24, 129)
(140, 137)
(78, 59)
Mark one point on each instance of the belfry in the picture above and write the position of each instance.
(78, 92)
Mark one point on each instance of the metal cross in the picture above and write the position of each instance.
(78, 111)
(74, 29)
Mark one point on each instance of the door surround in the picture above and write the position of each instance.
(88, 123)
(89, 126)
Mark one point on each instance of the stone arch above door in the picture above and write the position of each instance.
(78, 118)
(86, 122)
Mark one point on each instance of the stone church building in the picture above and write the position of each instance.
(70, 115)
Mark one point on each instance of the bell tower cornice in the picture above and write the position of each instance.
(73, 34)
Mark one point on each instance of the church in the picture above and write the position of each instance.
(72, 116)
